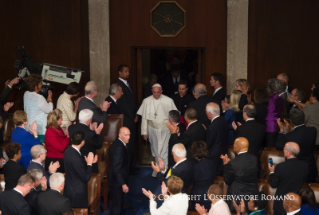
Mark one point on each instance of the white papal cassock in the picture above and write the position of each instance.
(154, 114)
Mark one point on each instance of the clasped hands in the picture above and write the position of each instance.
(159, 167)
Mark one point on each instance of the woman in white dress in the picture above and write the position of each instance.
(35, 105)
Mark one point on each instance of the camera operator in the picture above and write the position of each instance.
(36, 106)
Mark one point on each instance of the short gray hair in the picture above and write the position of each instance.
(174, 115)
(200, 89)
(85, 115)
(179, 150)
(213, 108)
(36, 174)
(37, 150)
(275, 86)
(90, 87)
(250, 110)
(291, 149)
(114, 88)
(56, 179)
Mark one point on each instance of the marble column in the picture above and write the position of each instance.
(99, 36)
(237, 41)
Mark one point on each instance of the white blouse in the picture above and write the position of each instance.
(66, 106)
(37, 109)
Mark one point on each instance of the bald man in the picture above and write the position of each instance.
(202, 99)
(292, 203)
(240, 173)
(119, 170)
(155, 114)
(287, 176)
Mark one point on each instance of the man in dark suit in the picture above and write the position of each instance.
(216, 135)
(174, 121)
(252, 130)
(52, 202)
(194, 132)
(183, 167)
(12, 201)
(12, 170)
(115, 93)
(182, 98)
(296, 95)
(200, 94)
(128, 107)
(216, 81)
(170, 83)
(32, 196)
(292, 204)
(240, 173)
(287, 176)
(38, 154)
(78, 172)
(93, 139)
(119, 170)
(99, 113)
(304, 136)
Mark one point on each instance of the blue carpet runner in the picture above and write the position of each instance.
(135, 202)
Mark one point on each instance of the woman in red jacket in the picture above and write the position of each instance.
(55, 140)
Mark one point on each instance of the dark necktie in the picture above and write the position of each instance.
(176, 83)
(180, 103)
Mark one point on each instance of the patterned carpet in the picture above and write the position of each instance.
(135, 203)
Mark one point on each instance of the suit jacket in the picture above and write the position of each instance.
(93, 141)
(127, 105)
(52, 202)
(217, 141)
(184, 170)
(47, 174)
(169, 87)
(287, 105)
(32, 199)
(194, 132)
(261, 113)
(99, 116)
(240, 174)
(305, 137)
(171, 143)
(114, 108)
(203, 178)
(286, 180)
(3, 96)
(77, 175)
(182, 102)
(13, 203)
(312, 117)
(242, 101)
(12, 172)
(119, 164)
(220, 95)
(200, 106)
(254, 132)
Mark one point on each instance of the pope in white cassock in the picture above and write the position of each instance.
(154, 111)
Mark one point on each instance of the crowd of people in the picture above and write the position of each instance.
(189, 133)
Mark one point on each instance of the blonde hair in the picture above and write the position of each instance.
(242, 82)
(19, 117)
(53, 117)
(175, 184)
(234, 100)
